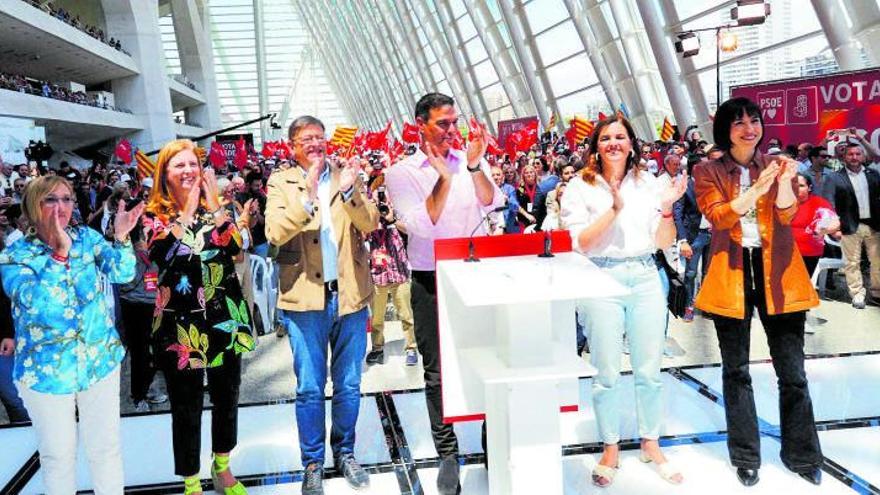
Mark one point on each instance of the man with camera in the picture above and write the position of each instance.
(389, 267)
(441, 193)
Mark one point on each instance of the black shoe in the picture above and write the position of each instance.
(748, 477)
(313, 480)
(813, 476)
(376, 357)
(447, 478)
(354, 474)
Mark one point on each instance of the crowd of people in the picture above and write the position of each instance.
(73, 19)
(349, 231)
(46, 89)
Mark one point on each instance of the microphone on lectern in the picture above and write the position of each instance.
(471, 258)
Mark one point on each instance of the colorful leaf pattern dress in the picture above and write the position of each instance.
(201, 318)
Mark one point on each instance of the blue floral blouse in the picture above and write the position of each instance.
(65, 340)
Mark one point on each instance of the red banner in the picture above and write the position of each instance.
(508, 127)
(804, 110)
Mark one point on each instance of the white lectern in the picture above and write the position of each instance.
(508, 354)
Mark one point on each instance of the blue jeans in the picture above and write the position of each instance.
(9, 394)
(638, 314)
(310, 333)
(700, 247)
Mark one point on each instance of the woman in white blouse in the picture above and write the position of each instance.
(618, 217)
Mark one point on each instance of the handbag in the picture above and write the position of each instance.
(677, 298)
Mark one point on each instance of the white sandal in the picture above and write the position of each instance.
(603, 472)
(667, 470)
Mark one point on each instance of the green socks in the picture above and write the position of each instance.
(192, 484)
(221, 462)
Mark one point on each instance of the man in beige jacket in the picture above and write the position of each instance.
(317, 214)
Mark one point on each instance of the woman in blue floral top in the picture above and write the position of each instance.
(201, 321)
(67, 350)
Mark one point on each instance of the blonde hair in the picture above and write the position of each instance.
(36, 191)
(160, 202)
(522, 173)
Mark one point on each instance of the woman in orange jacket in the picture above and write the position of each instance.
(754, 265)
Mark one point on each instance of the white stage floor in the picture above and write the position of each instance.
(394, 442)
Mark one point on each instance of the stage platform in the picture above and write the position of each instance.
(394, 443)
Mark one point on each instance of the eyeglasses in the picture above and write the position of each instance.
(52, 200)
(825, 156)
(311, 139)
(19, 186)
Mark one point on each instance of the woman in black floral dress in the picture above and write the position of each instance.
(201, 322)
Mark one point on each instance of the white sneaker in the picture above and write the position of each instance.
(142, 407)
(156, 397)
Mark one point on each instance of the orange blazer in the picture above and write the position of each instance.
(787, 284)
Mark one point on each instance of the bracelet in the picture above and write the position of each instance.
(473, 170)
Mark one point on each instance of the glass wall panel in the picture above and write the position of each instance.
(558, 43)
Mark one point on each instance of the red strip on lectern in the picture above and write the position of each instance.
(502, 245)
(493, 247)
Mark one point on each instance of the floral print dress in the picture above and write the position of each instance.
(201, 318)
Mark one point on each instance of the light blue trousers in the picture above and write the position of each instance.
(640, 315)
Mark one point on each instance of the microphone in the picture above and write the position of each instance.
(471, 258)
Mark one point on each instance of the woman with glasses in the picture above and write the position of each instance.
(201, 322)
(618, 216)
(67, 350)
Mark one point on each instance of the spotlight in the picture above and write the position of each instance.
(728, 42)
(688, 44)
(750, 12)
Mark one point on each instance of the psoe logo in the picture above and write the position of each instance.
(803, 105)
(772, 105)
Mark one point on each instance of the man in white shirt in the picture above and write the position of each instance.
(439, 192)
(855, 193)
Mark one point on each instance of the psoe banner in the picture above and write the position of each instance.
(805, 109)
(508, 127)
(228, 142)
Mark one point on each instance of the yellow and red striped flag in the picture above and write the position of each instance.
(343, 135)
(145, 166)
(552, 123)
(582, 128)
(666, 131)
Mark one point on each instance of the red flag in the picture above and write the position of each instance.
(123, 151)
(268, 150)
(241, 155)
(395, 150)
(410, 133)
(529, 136)
(513, 144)
(378, 140)
(217, 155)
(492, 146)
(602, 116)
(285, 150)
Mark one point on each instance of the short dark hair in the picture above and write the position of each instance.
(303, 121)
(252, 177)
(815, 151)
(431, 101)
(727, 113)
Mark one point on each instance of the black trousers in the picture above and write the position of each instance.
(186, 393)
(424, 306)
(785, 336)
(137, 321)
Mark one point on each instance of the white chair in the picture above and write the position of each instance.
(260, 283)
(818, 279)
(825, 264)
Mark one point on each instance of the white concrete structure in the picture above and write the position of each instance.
(139, 95)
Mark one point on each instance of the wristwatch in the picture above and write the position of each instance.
(474, 170)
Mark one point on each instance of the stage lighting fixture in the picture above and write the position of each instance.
(750, 12)
(728, 41)
(688, 44)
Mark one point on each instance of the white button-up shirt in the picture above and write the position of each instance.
(860, 185)
(633, 230)
(410, 182)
